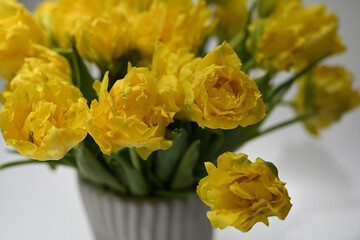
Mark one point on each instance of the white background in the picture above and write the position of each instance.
(322, 176)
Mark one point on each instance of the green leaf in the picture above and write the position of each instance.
(184, 176)
(273, 168)
(80, 74)
(135, 180)
(91, 169)
(135, 159)
(266, 7)
(263, 83)
(210, 146)
(256, 36)
(239, 41)
(209, 151)
(118, 68)
(234, 138)
(67, 160)
(154, 181)
(167, 160)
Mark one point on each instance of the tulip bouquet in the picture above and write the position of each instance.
(132, 95)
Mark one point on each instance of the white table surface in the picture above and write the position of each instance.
(322, 175)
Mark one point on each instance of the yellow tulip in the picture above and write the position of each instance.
(241, 193)
(267, 7)
(100, 28)
(232, 16)
(18, 34)
(129, 115)
(44, 121)
(138, 5)
(327, 92)
(218, 94)
(178, 24)
(46, 63)
(167, 65)
(59, 18)
(294, 36)
(103, 39)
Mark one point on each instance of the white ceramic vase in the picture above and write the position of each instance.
(115, 218)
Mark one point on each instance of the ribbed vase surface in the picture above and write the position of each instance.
(116, 218)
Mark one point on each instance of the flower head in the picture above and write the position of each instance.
(129, 115)
(100, 28)
(220, 94)
(178, 24)
(44, 121)
(242, 193)
(50, 15)
(326, 92)
(167, 65)
(18, 34)
(267, 7)
(232, 16)
(44, 63)
(294, 36)
(104, 38)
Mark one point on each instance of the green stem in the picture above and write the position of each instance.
(271, 106)
(283, 124)
(80, 74)
(237, 39)
(135, 159)
(263, 83)
(287, 104)
(238, 42)
(248, 65)
(11, 164)
(52, 163)
(235, 138)
(68, 53)
(201, 52)
(285, 86)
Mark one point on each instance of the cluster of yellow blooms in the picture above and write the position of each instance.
(134, 112)
(44, 115)
(211, 91)
(105, 30)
